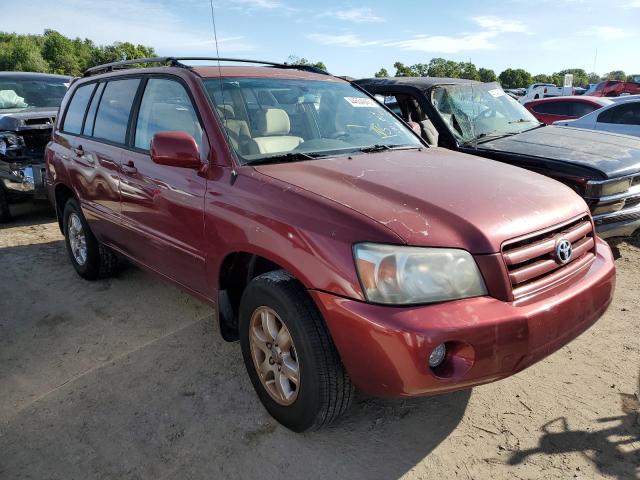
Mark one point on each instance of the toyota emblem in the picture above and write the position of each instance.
(564, 251)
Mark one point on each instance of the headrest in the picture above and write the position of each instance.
(275, 121)
(226, 111)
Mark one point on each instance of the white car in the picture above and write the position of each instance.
(623, 117)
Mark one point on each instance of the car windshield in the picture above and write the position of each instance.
(476, 111)
(31, 93)
(272, 119)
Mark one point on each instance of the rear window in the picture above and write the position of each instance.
(77, 108)
(112, 117)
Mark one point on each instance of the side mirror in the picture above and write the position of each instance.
(175, 149)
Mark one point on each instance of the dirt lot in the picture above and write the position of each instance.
(128, 378)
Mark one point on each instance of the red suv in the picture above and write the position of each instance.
(554, 109)
(337, 247)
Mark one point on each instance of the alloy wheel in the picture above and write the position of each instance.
(77, 239)
(274, 355)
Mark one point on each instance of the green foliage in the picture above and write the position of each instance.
(52, 52)
(616, 75)
(487, 75)
(515, 78)
(295, 60)
(382, 73)
(542, 78)
(593, 78)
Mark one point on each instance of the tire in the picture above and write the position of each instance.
(98, 261)
(324, 390)
(5, 212)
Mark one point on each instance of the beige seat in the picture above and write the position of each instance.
(274, 133)
(237, 130)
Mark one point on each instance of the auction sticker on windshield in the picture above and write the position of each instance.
(496, 92)
(361, 102)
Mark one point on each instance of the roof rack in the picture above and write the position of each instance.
(177, 62)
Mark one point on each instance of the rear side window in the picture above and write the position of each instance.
(622, 114)
(91, 113)
(581, 109)
(553, 108)
(165, 106)
(113, 112)
(77, 108)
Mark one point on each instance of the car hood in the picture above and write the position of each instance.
(437, 197)
(611, 154)
(22, 118)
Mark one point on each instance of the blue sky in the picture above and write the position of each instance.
(357, 38)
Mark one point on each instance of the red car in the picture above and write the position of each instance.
(337, 247)
(614, 88)
(553, 109)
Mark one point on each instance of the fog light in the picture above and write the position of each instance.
(437, 355)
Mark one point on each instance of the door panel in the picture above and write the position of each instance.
(162, 206)
(162, 212)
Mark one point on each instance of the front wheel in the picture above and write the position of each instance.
(289, 355)
(90, 259)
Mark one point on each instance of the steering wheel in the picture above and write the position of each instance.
(486, 114)
(340, 135)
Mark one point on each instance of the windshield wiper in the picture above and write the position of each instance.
(520, 120)
(381, 147)
(285, 157)
(485, 137)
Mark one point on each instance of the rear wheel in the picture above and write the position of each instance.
(289, 355)
(91, 259)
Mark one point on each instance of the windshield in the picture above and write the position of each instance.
(476, 111)
(29, 93)
(271, 118)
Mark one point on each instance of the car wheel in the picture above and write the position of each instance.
(290, 357)
(5, 213)
(90, 259)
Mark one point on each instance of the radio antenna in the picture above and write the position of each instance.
(222, 107)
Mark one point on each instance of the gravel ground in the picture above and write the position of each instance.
(128, 378)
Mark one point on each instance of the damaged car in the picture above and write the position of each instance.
(28, 107)
(480, 119)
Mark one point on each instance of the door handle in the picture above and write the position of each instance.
(129, 167)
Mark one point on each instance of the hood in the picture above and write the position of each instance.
(27, 118)
(437, 197)
(611, 154)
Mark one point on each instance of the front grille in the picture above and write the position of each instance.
(531, 261)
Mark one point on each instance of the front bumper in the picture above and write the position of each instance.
(385, 349)
(618, 224)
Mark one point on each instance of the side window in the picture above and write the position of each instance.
(165, 106)
(553, 108)
(391, 101)
(113, 112)
(91, 113)
(581, 109)
(621, 114)
(77, 107)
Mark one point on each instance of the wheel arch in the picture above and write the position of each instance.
(62, 193)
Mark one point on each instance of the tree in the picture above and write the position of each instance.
(469, 71)
(382, 73)
(517, 78)
(439, 67)
(541, 78)
(580, 77)
(593, 78)
(295, 60)
(616, 75)
(487, 75)
(402, 70)
(60, 53)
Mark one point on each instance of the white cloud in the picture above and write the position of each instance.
(346, 40)
(634, 4)
(499, 24)
(606, 32)
(136, 21)
(355, 15)
(265, 4)
(447, 44)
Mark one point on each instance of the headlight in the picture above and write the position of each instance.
(401, 275)
(604, 189)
